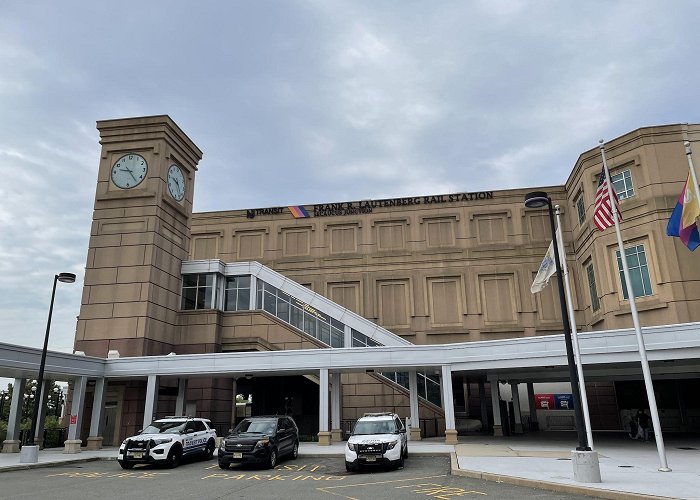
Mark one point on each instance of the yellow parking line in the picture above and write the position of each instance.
(325, 489)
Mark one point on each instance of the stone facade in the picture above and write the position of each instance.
(432, 269)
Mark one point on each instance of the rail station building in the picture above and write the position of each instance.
(420, 305)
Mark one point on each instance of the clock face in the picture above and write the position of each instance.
(176, 182)
(129, 171)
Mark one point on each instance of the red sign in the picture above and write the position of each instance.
(544, 401)
(73, 419)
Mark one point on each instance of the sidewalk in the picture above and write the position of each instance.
(628, 468)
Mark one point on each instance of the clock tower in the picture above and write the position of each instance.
(140, 235)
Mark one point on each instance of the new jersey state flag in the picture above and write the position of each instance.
(546, 271)
(683, 221)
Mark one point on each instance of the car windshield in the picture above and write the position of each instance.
(164, 427)
(259, 426)
(373, 427)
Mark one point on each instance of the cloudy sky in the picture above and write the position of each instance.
(297, 102)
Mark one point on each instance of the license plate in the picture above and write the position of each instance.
(371, 458)
(137, 455)
(238, 455)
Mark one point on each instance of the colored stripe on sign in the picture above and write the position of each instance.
(299, 212)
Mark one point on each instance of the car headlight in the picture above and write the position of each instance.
(222, 444)
(391, 445)
(262, 442)
(162, 441)
(352, 446)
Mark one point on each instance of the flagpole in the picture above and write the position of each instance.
(693, 175)
(635, 319)
(574, 333)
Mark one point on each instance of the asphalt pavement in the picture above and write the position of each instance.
(629, 468)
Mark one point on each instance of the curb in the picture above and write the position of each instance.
(40, 465)
(548, 485)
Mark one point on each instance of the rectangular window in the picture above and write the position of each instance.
(639, 271)
(300, 315)
(362, 340)
(581, 208)
(237, 293)
(592, 288)
(198, 291)
(623, 184)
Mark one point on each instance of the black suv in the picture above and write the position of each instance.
(260, 440)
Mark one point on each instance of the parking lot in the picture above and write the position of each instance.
(423, 477)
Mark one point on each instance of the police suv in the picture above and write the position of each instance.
(377, 439)
(167, 440)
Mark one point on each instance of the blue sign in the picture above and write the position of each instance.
(564, 401)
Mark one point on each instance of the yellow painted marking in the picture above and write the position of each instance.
(93, 475)
(326, 489)
(299, 468)
(276, 477)
(441, 492)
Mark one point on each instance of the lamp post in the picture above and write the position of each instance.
(539, 199)
(32, 454)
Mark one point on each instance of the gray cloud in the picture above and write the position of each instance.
(311, 101)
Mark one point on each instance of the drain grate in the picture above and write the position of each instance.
(626, 466)
(686, 448)
(563, 459)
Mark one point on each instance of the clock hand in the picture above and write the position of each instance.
(130, 173)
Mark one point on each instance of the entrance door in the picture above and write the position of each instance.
(109, 423)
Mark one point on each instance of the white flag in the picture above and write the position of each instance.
(546, 271)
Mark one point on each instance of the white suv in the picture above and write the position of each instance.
(377, 439)
(167, 440)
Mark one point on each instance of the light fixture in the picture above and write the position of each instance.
(540, 199)
(536, 199)
(31, 454)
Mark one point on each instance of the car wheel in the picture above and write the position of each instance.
(209, 450)
(349, 467)
(399, 464)
(125, 465)
(272, 460)
(174, 457)
(295, 450)
(405, 452)
(224, 466)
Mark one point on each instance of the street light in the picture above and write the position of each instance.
(63, 278)
(539, 199)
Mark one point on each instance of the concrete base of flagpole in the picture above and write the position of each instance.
(29, 454)
(586, 466)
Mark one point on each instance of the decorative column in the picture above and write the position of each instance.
(73, 443)
(234, 392)
(94, 440)
(336, 397)
(448, 405)
(14, 419)
(516, 408)
(44, 397)
(534, 424)
(324, 437)
(149, 410)
(465, 394)
(415, 434)
(484, 406)
(496, 404)
(181, 400)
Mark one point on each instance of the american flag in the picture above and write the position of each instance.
(602, 215)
